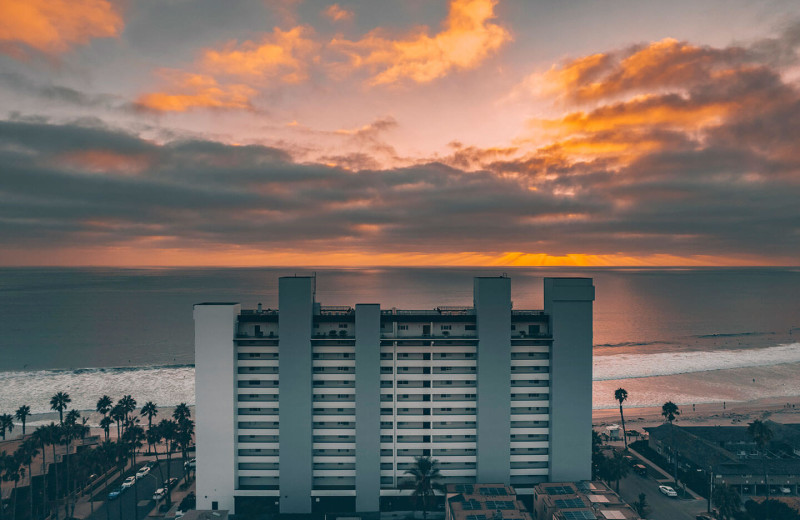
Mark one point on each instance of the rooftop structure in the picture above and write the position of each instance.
(324, 408)
(578, 501)
(484, 502)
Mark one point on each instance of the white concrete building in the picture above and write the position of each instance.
(306, 405)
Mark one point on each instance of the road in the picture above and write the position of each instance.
(122, 508)
(662, 507)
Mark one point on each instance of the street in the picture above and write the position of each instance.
(661, 507)
(122, 508)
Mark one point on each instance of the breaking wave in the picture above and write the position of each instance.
(628, 366)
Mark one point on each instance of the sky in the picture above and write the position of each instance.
(422, 132)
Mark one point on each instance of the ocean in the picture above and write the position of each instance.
(686, 335)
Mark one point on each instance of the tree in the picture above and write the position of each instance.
(620, 394)
(26, 452)
(22, 414)
(53, 438)
(104, 405)
(168, 430)
(426, 475)
(614, 469)
(13, 472)
(128, 404)
(183, 437)
(181, 412)
(6, 424)
(42, 435)
(670, 411)
(641, 507)
(149, 410)
(762, 435)
(59, 402)
(153, 438)
(727, 501)
(105, 424)
(118, 414)
(597, 455)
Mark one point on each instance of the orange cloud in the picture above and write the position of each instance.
(282, 54)
(54, 26)
(467, 39)
(215, 80)
(187, 91)
(657, 66)
(337, 14)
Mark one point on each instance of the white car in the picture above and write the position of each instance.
(129, 482)
(786, 490)
(159, 494)
(667, 491)
(144, 470)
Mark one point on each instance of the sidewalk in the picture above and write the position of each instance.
(664, 473)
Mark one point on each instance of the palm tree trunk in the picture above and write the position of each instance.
(67, 498)
(14, 507)
(44, 479)
(55, 468)
(624, 433)
(30, 480)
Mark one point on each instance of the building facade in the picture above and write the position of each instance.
(306, 404)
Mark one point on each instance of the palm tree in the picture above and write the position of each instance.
(118, 414)
(6, 424)
(426, 474)
(727, 500)
(149, 410)
(42, 435)
(105, 424)
(128, 404)
(168, 431)
(670, 411)
(22, 414)
(620, 394)
(104, 404)
(153, 437)
(14, 471)
(183, 436)
(181, 412)
(27, 451)
(59, 402)
(615, 469)
(762, 435)
(53, 438)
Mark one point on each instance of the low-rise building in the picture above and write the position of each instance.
(733, 455)
(484, 502)
(581, 500)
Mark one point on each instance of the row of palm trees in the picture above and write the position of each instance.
(725, 497)
(7, 420)
(175, 433)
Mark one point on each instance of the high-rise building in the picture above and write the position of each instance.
(311, 406)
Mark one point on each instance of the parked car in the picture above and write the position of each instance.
(667, 490)
(640, 469)
(786, 490)
(159, 494)
(190, 464)
(171, 482)
(129, 482)
(115, 493)
(144, 470)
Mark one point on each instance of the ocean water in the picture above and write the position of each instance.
(689, 335)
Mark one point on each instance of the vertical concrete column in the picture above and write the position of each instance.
(215, 412)
(295, 326)
(368, 407)
(493, 309)
(568, 301)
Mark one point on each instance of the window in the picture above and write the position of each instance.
(402, 327)
(447, 327)
(469, 327)
(343, 325)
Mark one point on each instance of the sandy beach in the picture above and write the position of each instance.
(709, 414)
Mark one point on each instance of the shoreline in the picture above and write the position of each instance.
(736, 413)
